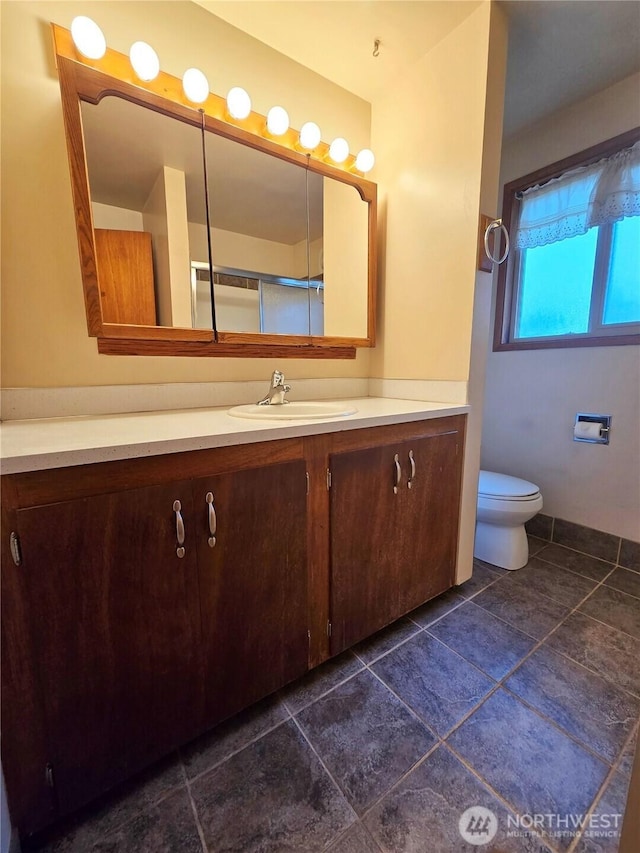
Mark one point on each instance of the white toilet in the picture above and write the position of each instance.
(504, 505)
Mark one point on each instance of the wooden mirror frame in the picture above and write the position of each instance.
(88, 80)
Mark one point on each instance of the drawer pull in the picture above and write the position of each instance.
(412, 462)
(177, 506)
(398, 474)
(213, 521)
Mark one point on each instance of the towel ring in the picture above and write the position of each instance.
(496, 224)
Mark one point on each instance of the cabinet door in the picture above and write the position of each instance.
(430, 510)
(253, 583)
(391, 549)
(125, 266)
(115, 627)
(367, 562)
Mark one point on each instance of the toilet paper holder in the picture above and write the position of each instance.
(603, 421)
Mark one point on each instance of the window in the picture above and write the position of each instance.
(573, 275)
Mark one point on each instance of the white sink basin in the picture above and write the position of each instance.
(293, 411)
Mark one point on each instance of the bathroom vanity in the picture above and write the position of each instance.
(146, 599)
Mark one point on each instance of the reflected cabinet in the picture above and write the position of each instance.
(200, 236)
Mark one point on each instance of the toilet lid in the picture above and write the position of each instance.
(495, 485)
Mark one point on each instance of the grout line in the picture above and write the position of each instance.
(439, 743)
(328, 772)
(418, 630)
(196, 816)
(496, 794)
(553, 528)
(329, 690)
(231, 754)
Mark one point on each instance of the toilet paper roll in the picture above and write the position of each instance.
(587, 429)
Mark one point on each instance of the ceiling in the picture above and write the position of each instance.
(250, 192)
(560, 51)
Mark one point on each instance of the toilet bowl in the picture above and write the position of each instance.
(504, 505)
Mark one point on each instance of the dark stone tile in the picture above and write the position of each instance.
(626, 762)
(630, 555)
(437, 607)
(423, 812)
(531, 764)
(586, 539)
(582, 564)
(600, 648)
(382, 642)
(615, 608)
(540, 526)
(320, 680)
(435, 682)
(587, 707)
(482, 576)
(610, 809)
(522, 607)
(128, 801)
(355, 840)
(625, 580)
(483, 639)
(274, 795)
(535, 545)
(214, 746)
(366, 738)
(169, 827)
(553, 581)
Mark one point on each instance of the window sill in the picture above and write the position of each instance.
(564, 343)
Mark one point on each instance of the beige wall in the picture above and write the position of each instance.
(427, 132)
(44, 337)
(489, 191)
(532, 397)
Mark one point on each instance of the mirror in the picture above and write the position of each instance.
(289, 256)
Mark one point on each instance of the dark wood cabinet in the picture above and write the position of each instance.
(253, 583)
(122, 638)
(394, 511)
(114, 622)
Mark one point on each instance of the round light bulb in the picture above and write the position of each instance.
(277, 121)
(88, 37)
(238, 103)
(365, 160)
(310, 135)
(339, 150)
(144, 61)
(195, 85)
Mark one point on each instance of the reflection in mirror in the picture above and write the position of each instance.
(343, 259)
(258, 217)
(146, 184)
(256, 302)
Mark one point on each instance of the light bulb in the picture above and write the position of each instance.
(238, 103)
(339, 150)
(144, 61)
(365, 160)
(277, 121)
(88, 37)
(195, 85)
(310, 135)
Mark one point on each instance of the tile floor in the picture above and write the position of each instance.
(518, 692)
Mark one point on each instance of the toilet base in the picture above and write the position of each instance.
(506, 547)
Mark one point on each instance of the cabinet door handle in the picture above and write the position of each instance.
(412, 462)
(213, 521)
(398, 474)
(177, 506)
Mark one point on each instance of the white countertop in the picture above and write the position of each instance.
(34, 445)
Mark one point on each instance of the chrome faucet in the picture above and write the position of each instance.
(275, 396)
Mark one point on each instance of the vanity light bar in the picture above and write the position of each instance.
(91, 49)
